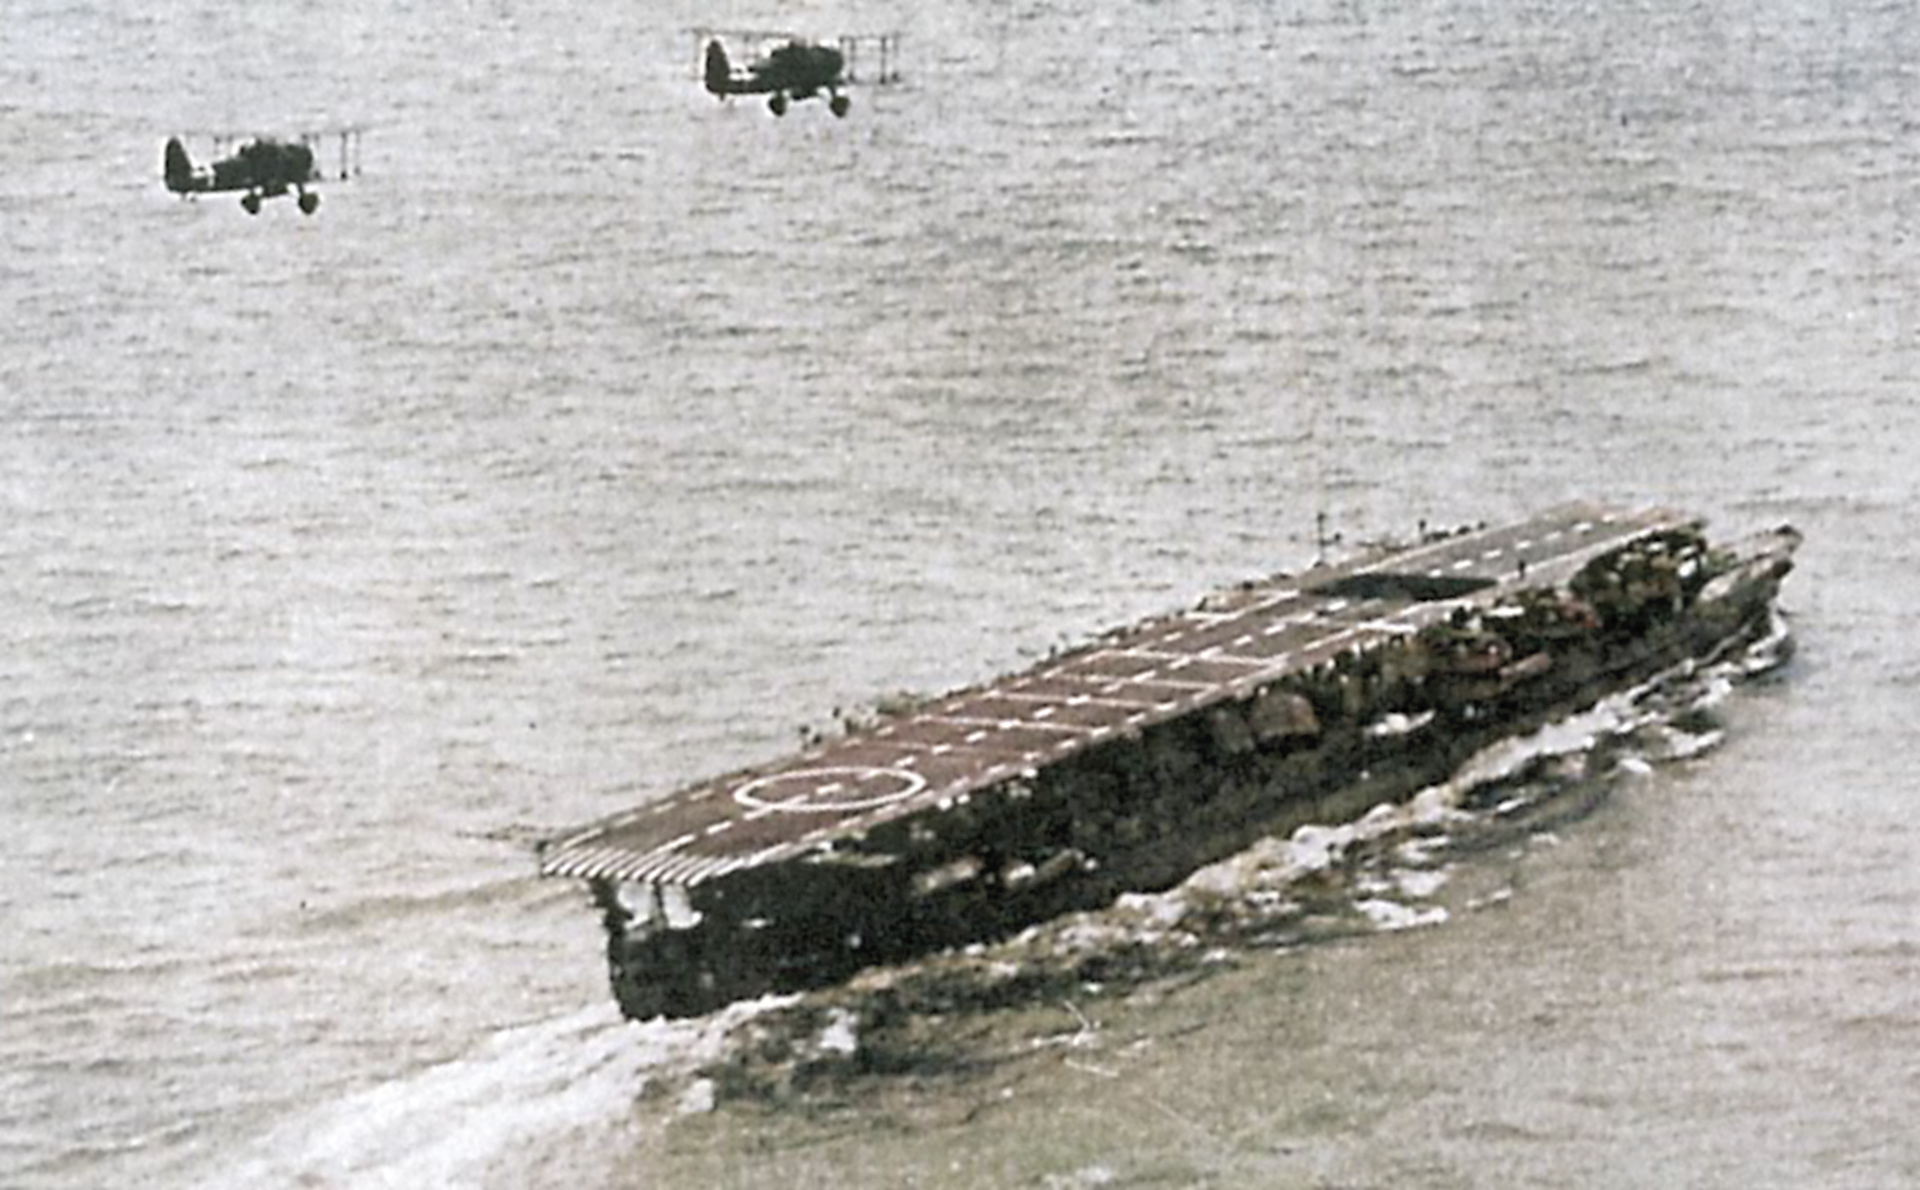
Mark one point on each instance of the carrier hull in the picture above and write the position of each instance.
(1126, 764)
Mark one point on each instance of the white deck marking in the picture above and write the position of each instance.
(589, 860)
(1161, 680)
(1219, 653)
(1149, 655)
(1000, 724)
(812, 795)
(1072, 700)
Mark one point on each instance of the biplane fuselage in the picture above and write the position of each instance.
(794, 70)
(263, 168)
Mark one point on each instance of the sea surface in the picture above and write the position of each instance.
(601, 436)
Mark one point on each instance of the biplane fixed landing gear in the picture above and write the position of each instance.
(838, 104)
(308, 200)
(788, 69)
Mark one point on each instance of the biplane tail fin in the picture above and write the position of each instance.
(179, 167)
(719, 69)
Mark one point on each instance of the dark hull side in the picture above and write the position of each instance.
(1144, 810)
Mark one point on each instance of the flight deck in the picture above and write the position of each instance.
(1229, 646)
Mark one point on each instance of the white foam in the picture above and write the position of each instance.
(839, 1036)
(1256, 876)
(1420, 883)
(698, 1098)
(472, 1121)
(1392, 915)
(480, 1119)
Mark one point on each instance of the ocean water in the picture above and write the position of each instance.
(601, 436)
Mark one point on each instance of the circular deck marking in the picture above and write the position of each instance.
(834, 789)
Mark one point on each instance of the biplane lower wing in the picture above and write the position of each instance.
(263, 167)
(786, 68)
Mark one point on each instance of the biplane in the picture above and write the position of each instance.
(786, 68)
(264, 167)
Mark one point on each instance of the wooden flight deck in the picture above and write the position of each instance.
(1230, 645)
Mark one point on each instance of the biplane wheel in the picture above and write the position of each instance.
(839, 105)
(251, 203)
(778, 104)
(309, 203)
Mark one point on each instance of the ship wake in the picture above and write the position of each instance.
(543, 1102)
(1386, 871)
(564, 1091)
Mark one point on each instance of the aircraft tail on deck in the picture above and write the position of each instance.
(179, 169)
(719, 69)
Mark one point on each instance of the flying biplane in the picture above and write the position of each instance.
(263, 167)
(794, 68)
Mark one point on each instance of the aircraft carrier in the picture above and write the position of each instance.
(1126, 763)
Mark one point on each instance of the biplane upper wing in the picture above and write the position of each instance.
(871, 59)
(263, 166)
